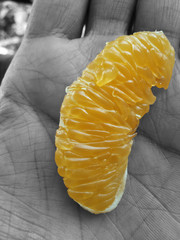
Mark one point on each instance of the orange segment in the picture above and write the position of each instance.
(101, 112)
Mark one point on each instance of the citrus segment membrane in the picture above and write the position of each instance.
(101, 112)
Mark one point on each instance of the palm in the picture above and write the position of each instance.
(34, 198)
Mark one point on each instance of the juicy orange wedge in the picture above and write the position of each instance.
(100, 114)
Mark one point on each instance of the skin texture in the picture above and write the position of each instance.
(33, 200)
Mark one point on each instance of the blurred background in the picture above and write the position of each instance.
(13, 21)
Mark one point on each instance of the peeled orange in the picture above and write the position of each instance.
(100, 114)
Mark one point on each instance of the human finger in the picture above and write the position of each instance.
(159, 15)
(163, 122)
(64, 18)
(110, 17)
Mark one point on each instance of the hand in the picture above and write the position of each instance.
(33, 198)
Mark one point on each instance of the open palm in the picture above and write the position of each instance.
(33, 200)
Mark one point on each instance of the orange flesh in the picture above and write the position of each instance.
(100, 114)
